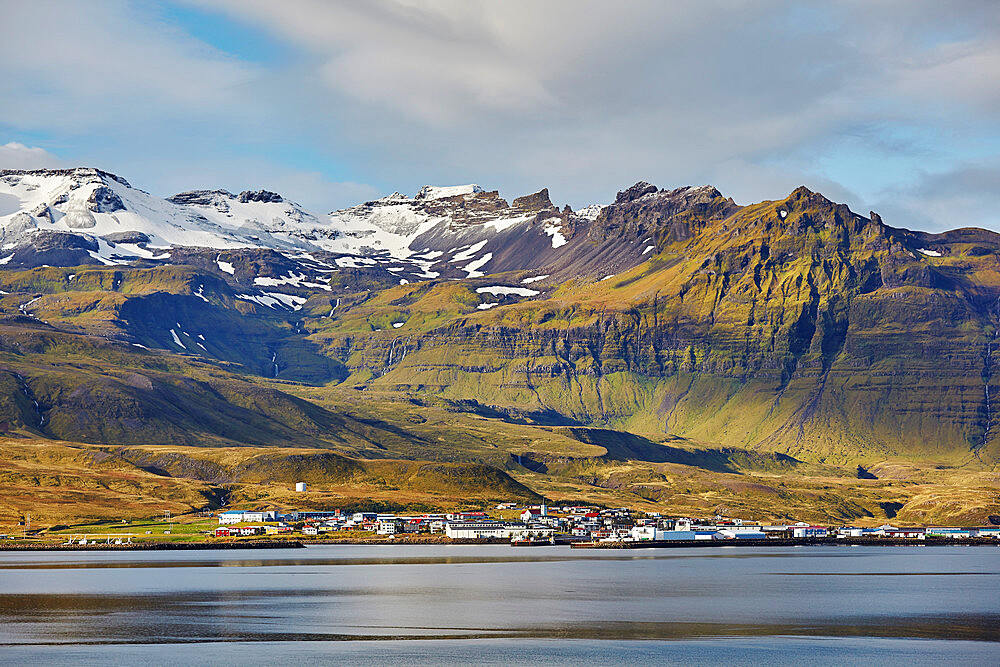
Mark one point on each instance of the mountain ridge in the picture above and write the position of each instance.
(676, 319)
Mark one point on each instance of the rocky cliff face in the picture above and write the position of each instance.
(441, 232)
(794, 325)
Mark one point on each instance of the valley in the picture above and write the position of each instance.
(671, 351)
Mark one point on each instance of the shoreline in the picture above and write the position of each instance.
(806, 542)
(646, 544)
(155, 546)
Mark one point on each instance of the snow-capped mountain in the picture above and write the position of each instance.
(457, 231)
(87, 215)
(258, 238)
(122, 222)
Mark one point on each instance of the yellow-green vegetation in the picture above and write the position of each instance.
(751, 364)
(70, 484)
(190, 527)
(829, 497)
(62, 483)
(792, 326)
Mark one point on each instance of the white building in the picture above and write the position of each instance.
(521, 531)
(650, 532)
(799, 531)
(389, 526)
(247, 516)
(478, 530)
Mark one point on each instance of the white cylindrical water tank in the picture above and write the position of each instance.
(300, 486)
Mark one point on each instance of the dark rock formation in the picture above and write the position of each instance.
(260, 196)
(104, 200)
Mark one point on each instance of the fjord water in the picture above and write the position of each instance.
(497, 604)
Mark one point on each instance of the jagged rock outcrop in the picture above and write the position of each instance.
(104, 200)
(793, 325)
(126, 237)
(265, 196)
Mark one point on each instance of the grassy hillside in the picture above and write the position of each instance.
(750, 364)
(65, 483)
(793, 326)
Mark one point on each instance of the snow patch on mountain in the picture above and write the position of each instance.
(177, 340)
(441, 192)
(497, 290)
(273, 299)
(472, 268)
(293, 279)
(590, 212)
(553, 229)
(469, 252)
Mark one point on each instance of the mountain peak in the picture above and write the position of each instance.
(638, 190)
(202, 197)
(78, 173)
(440, 192)
(265, 196)
(538, 201)
(804, 194)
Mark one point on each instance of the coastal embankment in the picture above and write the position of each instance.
(151, 546)
(799, 542)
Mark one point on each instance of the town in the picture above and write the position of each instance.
(566, 524)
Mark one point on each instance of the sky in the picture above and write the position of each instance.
(886, 105)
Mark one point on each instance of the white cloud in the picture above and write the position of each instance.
(964, 196)
(79, 66)
(583, 97)
(14, 155)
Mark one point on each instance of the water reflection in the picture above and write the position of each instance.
(373, 594)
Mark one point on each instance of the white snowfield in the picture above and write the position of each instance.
(504, 289)
(472, 268)
(96, 204)
(225, 266)
(393, 224)
(552, 229)
(440, 192)
(292, 279)
(469, 252)
(58, 201)
(275, 299)
(590, 212)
